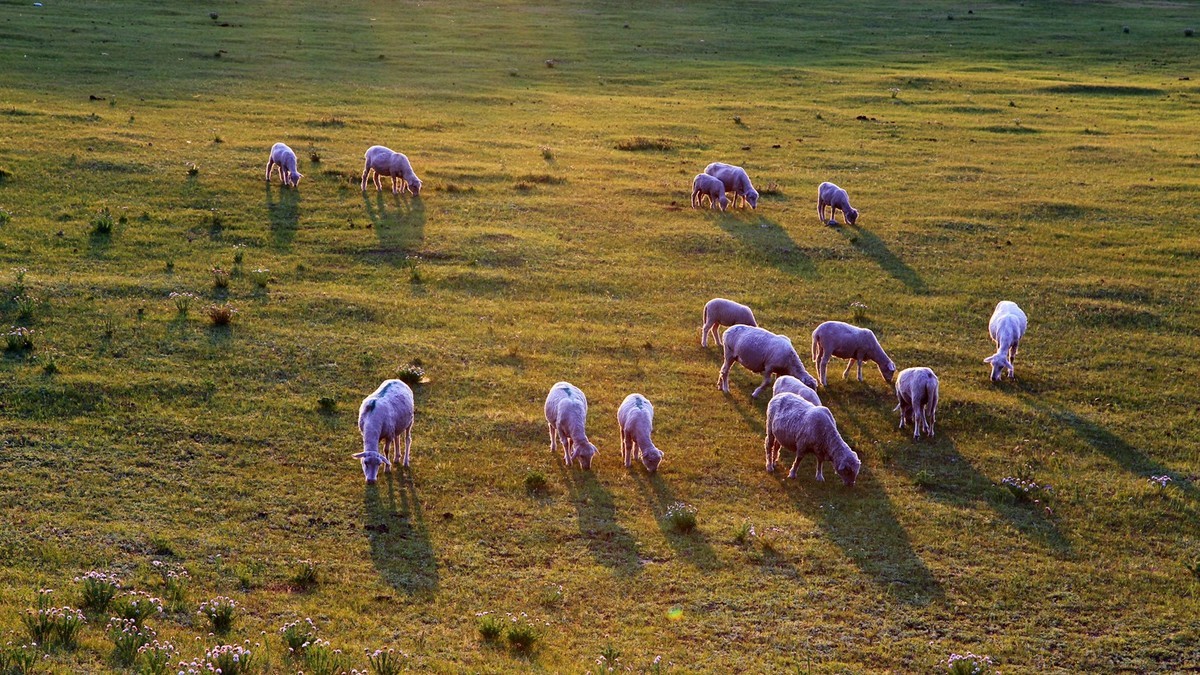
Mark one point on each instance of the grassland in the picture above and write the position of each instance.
(1030, 151)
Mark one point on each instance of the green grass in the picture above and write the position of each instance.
(1033, 152)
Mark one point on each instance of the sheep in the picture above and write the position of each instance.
(566, 413)
(384, 162)
(761, 351)
(804, 428)
(635, 418)
(791, 385)
(1007, 327)
(283, 158)
(736, 180)
(704, 185)
(721, 312)
(385, 415)
(917, 391)
(835, 338)
(836, 199)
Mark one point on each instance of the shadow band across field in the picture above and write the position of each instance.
(284, 213)
(692, 546)
(400, 546)
(770, 243)
(873, 247)
(596, 513)
(399, 225)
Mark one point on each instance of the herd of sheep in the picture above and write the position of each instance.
(796, 420)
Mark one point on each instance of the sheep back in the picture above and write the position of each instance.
(786, 384)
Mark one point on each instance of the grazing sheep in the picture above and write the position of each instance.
(721, 312)
(636, 419)
(736, 180)
(284, 159)
(786, 384)
(704, 185)
(385, 415)
(761, 351)
(835, 338)
(566, 413)
(384, 162)
(836, 199)
(917, 391)
(1007, 327)
(804, 428)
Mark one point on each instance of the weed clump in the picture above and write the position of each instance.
(220, 315)
(220, 612)
(155, 658)
(326, 404)
(193, 169)
(411, 374)
(127, 638)
(304, 576)
(98, 590)
(220, 278)
(54, 627)
(183, 301)
(968, 664)
(103, 223)
(136, 606)
(681, 517)
(389, 662)
(5, 217)
(641, 143)
(535, 483)
(297, 635)
(261, 277)
(490, 628)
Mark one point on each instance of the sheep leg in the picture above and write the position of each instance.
(823, 366)
(766, 380)
(366, 172)
(723, 378)
(704, 331)
(270, 165)
(820, 465)
(796, 464)
(846, 372)
(552, 435)
(769, 450)
(407, 444)
(859, 370)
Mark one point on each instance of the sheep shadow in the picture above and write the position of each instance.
(400, 547)
(693, 547)
(400, 226)
(873, 247)
(284, 215)
(862, 522)
(596, 513)
(770, 243)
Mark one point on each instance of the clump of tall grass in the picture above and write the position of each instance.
(682, 517)
(220, 612)
(97, 590)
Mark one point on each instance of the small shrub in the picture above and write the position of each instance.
(155, 658)
(925, 479)
(771, 190)
(99, 588)
(639, 143)
(1189, 32)
(220, 315)
(1193, 567)
(183, 301)
(261, 277)
(25, 306)
(136, 606)
(327, 404)
(103, 223)
(547, 153)
(552, 595)
(54, 627)
(19, 339)
(193, 169)
(895, 91)
(535, 482)
(238, 254)
(523, 186)
(217, 139)
(331, 122)
(305, 575)
(19, 280)
(5, 174)
(1026, 489)
(50, 367)
(231, 659)
(522, 635)
(609, 661)
(414, 272)
(743, 533)
(858, 310)
(19, 659)
(968, 664)
(682, 517)
(174, 582)
(297, 635)
(411, 374)
(220, 278)
(322, 659)
(5, 217)
(389, 662)
(220, 612)
(169, 267)
(127, 638)
(491, 627)
(314, 157)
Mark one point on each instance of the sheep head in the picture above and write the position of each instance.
(851, 216)
(294, 178)
(999, 363)
(887, 370)
(724, 202)
(651, 458)
(582, 452)
(371, 461)
(414, 186)
(848, 467)
(752, 198)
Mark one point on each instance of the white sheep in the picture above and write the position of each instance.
(284, 159)
(786, 384)
(735, 180)
(804, 428)
(1007, 327)
(761, 351)
(635, 417)
(835, 338)
(721, 312)
(704, 185)
(384, 162)
(386, 415)
(566, 414)
(917, 391)
(836, 199)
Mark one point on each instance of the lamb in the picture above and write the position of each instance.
(761, 351)
(721, 312)
(800, 426)
(917, 391)
(704, 185)
(791, 385)
(635, 417)
(1007, 327)
(835, 338)
(283, 158)
(385, 415)
(384, 162)
(736, 180)
(836, 199)
(566, 413)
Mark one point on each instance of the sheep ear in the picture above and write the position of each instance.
(359, 455)
(989, 359)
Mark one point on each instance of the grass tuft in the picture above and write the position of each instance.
(641, 143)
(681, 517)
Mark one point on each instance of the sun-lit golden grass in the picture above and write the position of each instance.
(1033, 153)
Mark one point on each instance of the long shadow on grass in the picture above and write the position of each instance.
(400, 225)
(400, 546)
(285, 216)
(692, 547)
(862, 522)
(596, 513)
(871, 245)
(770, 243)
